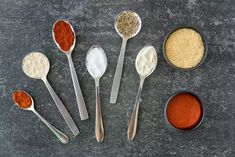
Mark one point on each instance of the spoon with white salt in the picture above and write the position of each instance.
(96, 63)
(145, 63)
(127, 25)
(36, 65)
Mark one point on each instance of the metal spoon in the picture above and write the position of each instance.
(118, 72)
(134, 117)
(80, 101)
(68, 119)
(61, 136)
(99, 129)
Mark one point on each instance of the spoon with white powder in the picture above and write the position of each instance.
(96, 63)
(36, 65)
(145, 63)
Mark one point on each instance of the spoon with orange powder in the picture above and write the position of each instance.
(24, 101)
(64, 38)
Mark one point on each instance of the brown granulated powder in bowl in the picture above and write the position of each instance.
(184, 48)
(127, 23)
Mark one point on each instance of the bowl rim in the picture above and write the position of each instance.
(205, 43)
(167, 103)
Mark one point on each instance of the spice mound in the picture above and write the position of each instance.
(35, 65)
(184, 111)
(96, 62)
(127, 23)
(21, 99)
(63, 35)
(146, 61)
(184, 48)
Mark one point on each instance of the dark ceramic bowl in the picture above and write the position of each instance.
(204, 42)
(199, 121)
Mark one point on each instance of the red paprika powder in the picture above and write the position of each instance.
(22, 99)
(63, 35)
(184, 111)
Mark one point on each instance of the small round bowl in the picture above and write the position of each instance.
(204, 42)
(199, 121)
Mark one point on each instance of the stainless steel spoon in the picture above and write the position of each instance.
(68, 119)
(97, 69)
(118, 72)
(132, 127)
(61, 136)
(79, 97)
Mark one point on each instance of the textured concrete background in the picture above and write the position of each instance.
(25, 26)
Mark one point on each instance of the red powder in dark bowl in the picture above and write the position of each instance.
(184, 111)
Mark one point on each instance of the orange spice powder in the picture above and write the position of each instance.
(22, 99)
(184, 111)
(64, 35)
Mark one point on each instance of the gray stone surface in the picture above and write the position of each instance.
(25, 26)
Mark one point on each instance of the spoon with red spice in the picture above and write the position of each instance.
(24, 101)
(64, 38)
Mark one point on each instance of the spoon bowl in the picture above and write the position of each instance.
(144, 60)
(116, 22)
(89, 63)
(53, 35)
(43, 69)
(61, 136)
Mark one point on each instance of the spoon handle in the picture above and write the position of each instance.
(99, 129)
(118, 73)
(68, 119)
(61, 136)
(80, 101)
(132, 127)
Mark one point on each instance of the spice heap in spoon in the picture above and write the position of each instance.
(127, 25)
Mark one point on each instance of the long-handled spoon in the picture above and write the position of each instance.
(145, 63)
(43, 64)
(96, 63)
(61, 136)
(118, 72)
(79, 97)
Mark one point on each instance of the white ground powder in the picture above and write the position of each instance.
(146, 60)
(35, 65)
(96, 62)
